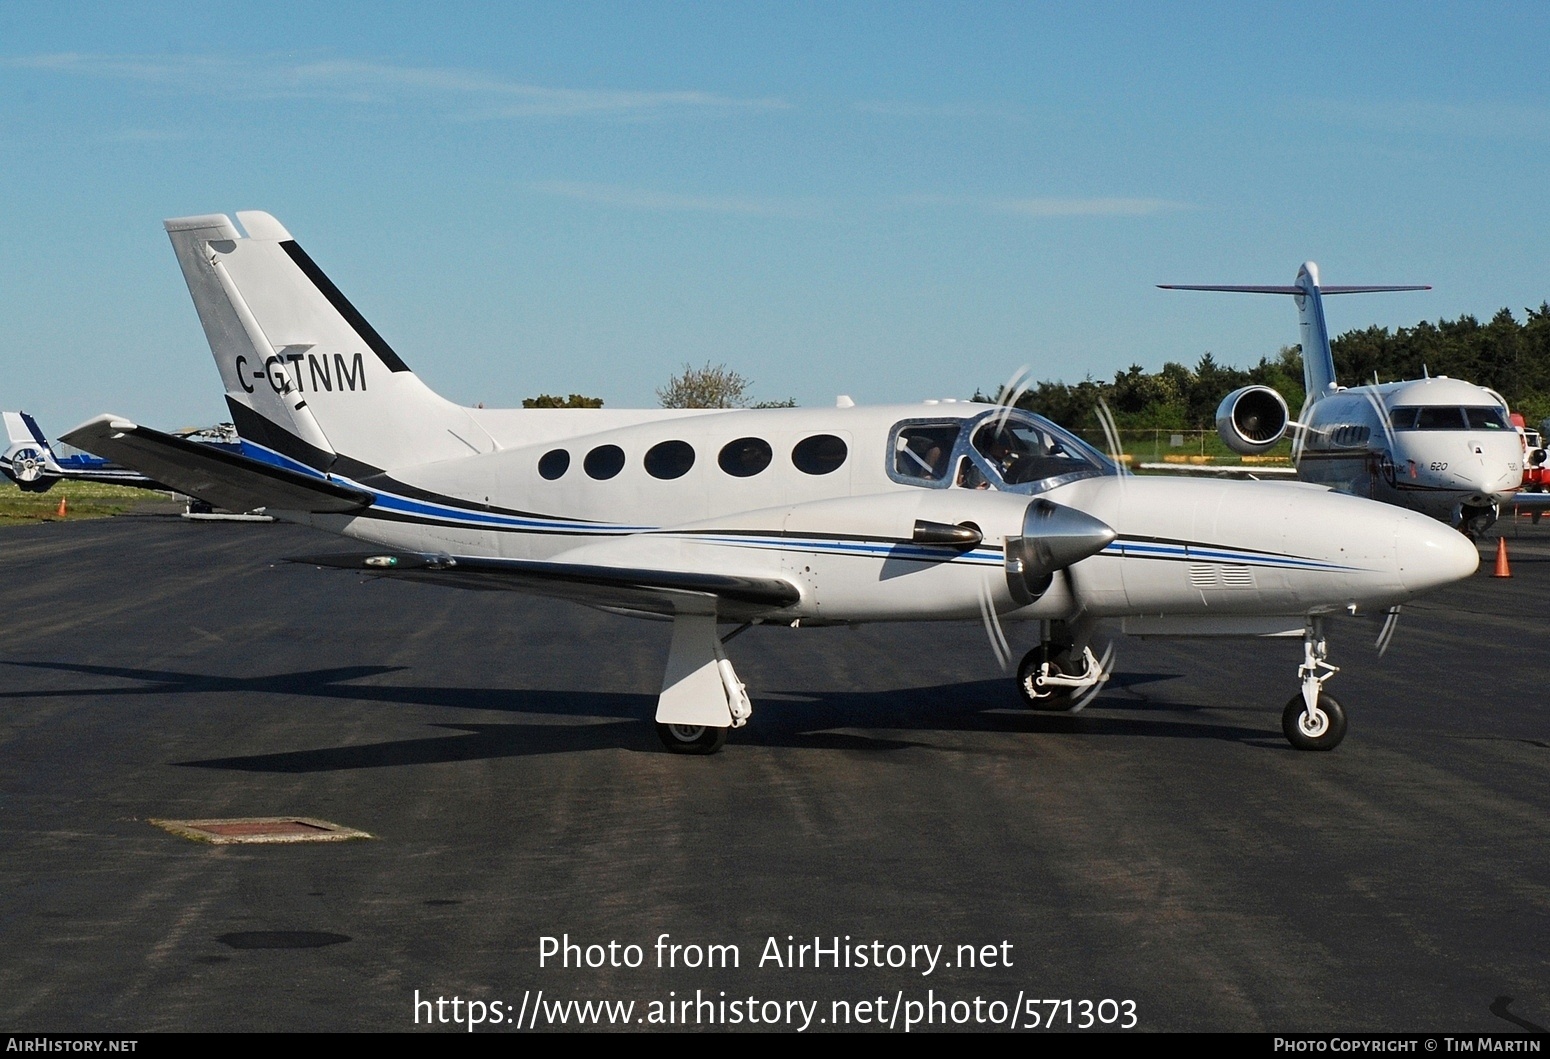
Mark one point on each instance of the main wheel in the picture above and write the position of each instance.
(692, 738)
(1036, 696)
(1323, 730)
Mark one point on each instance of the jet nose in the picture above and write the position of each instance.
(1432, 554)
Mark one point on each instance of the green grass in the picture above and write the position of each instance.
(82, 500)
(1153, 446)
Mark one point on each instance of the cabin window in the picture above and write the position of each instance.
(745, 457)
(669, 459)
(604, 462)
(925, 452)
(819, 454)
(553, 464)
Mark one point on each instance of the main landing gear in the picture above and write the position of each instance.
(1059, 676)
(1313, 720)
(702, 698)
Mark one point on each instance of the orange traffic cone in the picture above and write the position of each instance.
(1502, 569)
(62, 509)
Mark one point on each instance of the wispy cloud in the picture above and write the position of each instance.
(1471, 120)
(479, 95)
(1052, 206)
(648, 199)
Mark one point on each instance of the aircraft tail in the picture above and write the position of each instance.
(1318, 361)
(311, 385)
(28, 459)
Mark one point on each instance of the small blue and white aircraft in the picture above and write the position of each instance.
(1440, 446)
(30, 461)
(797, 517)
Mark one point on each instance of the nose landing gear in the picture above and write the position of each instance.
(1059, 676)
(1313, 720)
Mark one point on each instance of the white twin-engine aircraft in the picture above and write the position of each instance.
(1440, 446)
(807, 516)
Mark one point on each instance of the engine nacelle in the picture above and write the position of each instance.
(1252, 420)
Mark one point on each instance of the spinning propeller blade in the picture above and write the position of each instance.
(1386, 634)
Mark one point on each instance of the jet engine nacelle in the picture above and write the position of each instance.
(1252, 420)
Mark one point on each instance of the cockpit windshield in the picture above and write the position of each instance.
(1016, 452)
(1450, 417)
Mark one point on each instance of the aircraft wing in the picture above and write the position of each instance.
(1529, 502)
(611, 587)
(222, 478)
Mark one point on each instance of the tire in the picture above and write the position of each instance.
(1052, 701)
(1314, 736)
(692, 738)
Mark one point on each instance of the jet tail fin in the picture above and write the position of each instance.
(1318, 361)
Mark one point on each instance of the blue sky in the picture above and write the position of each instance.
(894, 201)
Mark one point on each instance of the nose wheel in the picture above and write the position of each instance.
(1321, 728)
(1061, 679)
(1313, 720)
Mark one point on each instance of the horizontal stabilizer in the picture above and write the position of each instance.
(221, 478)
(1241, 289)
(608, 586)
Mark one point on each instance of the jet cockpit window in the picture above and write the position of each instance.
(1486, 418)
(1450, 417)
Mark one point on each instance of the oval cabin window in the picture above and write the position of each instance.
(554, 463)
(603, 462)
(819, 454)
(745, 457)
(669, 459)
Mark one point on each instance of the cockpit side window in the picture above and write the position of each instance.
(925, 452)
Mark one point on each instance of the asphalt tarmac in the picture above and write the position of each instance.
(1163, 860)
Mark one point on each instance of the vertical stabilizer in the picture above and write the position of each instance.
(1318, 360)
(308, 380)
(27, 459)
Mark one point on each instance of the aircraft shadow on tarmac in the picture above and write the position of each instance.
(827, 720)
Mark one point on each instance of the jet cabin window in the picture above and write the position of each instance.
(1449, 417)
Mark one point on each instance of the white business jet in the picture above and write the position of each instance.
(1440, 446)
(807, 516)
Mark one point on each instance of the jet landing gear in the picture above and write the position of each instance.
(1058, 676)
(1313, 720)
